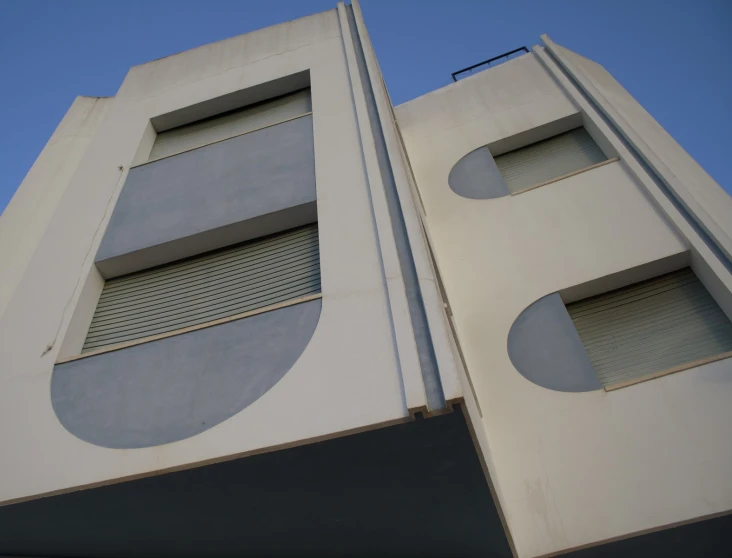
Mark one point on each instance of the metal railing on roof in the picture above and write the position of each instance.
(488, 62)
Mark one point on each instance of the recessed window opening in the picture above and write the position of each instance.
(548, 160)
(231, 124)
(255, 275)
(666, 324)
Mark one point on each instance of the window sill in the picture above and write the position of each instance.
(189, 329)
(679, 368)
(573, 173)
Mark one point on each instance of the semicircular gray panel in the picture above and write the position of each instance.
(174, 388)
(545, 348)
(477, 177)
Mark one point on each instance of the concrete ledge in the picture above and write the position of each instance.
(206, 241)
(232, 101)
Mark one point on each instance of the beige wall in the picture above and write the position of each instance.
(347, 378)
(569, 468)
(26, 217)
(698, 191)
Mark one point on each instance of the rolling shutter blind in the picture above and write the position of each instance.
(650, 327)
(216, 285)
(548, 159)
(230, 124)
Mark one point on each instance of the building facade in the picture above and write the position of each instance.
(249, 306)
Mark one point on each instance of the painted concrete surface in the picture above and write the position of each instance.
(637, 450)
(32, 207)
(545, 348)
(630, 449)
(434, 393)
(169, 390)
(348, 376)
(476, 176)
(397, 303)
(697, 191)
(707, 260)
(433, 305)
(204, 189)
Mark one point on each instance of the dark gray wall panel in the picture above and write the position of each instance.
(545, 348)
(413, 489)
(210, 188)
(477, 177)
(175, 388)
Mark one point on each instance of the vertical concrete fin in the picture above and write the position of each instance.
(435, 397)
(402, 334)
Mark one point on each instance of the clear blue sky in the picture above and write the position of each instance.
(672, 55)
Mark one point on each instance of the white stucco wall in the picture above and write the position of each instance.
(569, 468)
(692, 184)
(348, 377)
(26, 217)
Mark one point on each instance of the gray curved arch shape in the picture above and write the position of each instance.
(174, 388)
(477, 177)
(546, 349)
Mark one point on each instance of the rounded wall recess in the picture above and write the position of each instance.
(174, 388)
(545, 348)
(476, 176)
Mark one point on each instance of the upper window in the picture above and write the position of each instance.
(548, 160)
(665, 324)
(478, 175)
(231, 124)
(229, 283)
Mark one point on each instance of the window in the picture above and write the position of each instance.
(666, 324)
(549, 160)
(222, 284)
(231, 124)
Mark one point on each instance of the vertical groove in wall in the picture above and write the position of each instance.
(427, 358)
(667, 192)
(345, 36)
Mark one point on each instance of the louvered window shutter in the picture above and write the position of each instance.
(548, 159)
(216, 285)
(650, 327)
(231, 124)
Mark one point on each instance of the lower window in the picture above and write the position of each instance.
(224, 284)
(667, 323)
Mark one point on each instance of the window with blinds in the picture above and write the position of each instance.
(548, 160)
(650, 327)
(231, 124)
(226, 283)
